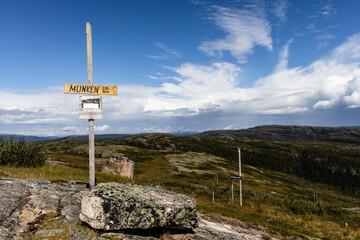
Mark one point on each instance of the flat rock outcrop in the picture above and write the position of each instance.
(114, 206)
(24, 201)
(212, 230)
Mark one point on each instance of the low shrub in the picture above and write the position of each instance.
(21, 153)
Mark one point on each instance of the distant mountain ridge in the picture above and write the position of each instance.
(265, 132)
(27, 138)
(103, 137)
(292, 133)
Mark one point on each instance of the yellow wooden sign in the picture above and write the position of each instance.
(90, 89)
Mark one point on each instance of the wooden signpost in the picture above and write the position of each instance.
(232, 177)
(240, 177)
(90, 103)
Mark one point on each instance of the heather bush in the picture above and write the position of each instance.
(21, 153)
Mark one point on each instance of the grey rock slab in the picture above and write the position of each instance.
(114, 206)
(13, 197)
(211, 230)
(24, 201)
(71, 207)
(124, 236)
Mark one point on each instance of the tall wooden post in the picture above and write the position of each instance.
(95, 110)
(240, 177)
(91, 121)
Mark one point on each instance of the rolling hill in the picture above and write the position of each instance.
(293, 133)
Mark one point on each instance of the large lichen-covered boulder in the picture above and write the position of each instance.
(114, 206)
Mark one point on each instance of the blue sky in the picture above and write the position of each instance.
(180, 65)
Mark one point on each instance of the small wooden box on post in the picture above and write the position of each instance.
(90, 102)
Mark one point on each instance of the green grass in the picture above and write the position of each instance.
(57, 173)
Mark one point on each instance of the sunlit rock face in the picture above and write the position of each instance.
(113, 206)
(121, 166)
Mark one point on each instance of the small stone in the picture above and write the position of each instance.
(77, 234)
(59, 221)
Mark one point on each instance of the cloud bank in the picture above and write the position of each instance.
(244, 30)
(330, 82)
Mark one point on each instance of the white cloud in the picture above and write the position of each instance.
(283, 56)
(168, 52)
(280, 8)
(229, 127)
(201, 92)
(155, 78)
(336, 84)
(324, 9)
(245, 29)
(327, 10)
(203, 80)
(128, 103)
(49, 105)
(348, 51)
(324, 40)
(326, 104)
(325, 36)
(102, 128)
(154, 129)
(311, 27)
(353, 100)
(70, 128)
(323, 84)
(75, 130)
(201, 89)
(322, 44)
(287, 110)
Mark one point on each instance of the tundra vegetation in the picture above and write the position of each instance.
(292, 189)
(20, 153)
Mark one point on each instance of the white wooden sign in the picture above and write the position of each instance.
(90, 107)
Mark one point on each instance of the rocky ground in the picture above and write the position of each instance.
(26, 205)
